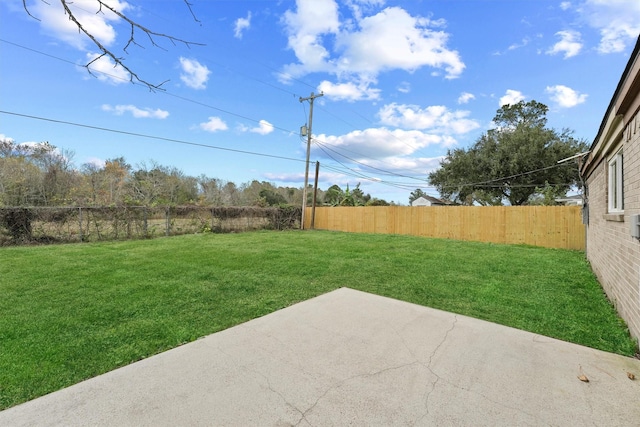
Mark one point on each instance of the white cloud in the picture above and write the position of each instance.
(465, 97)
(417, 166)
(393, 39)
(194, 74)
(264, 128)
(297, 177)
(382, 143)
(33, 147)
(565, 5)
(436, 118)
(305, 28)
(97, 162)
(105, 70)
(7, 139)
(357, 50)
(56, 23)
(360, 7)
(138, 113)
(349, 91)
(570, 44)
(241, 25)
(617, 20)
(285, 177)
(515, 46)
(214, 124)
(565, 96)
(511, 97)
(404, 87)
(525, 41)
(413, 165)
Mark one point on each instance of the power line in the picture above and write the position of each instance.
(404, 186)
(478, 184)
(354, 172)
(216, 108)
(202, 104)
(366, 165)
(141, 135)
(346, 149)
(323, 145)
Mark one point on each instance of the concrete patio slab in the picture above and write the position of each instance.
(351, 358)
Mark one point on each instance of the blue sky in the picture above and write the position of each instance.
(403, 81)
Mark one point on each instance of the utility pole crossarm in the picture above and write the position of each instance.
(306, 172)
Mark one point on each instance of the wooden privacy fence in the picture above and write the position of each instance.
(547, 226)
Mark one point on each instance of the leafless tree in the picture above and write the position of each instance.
(136, 29)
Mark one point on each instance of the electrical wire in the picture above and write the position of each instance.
(141, 135)
(202, 104)
(323, 145)
(356, 173)
(364, 164)
(167, 93)
(476, 184)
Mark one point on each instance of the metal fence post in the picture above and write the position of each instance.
(144, 224)
(167, 222)
(80, 223)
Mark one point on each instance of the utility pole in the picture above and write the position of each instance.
(306, 170)
(315, 197)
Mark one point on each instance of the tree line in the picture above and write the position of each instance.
(516, 162)
(42, 175)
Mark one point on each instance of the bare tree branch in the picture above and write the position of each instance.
(24, 4)
(134, 25)
(191, 10)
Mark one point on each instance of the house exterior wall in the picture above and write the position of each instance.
(421, 201)
(613, 253)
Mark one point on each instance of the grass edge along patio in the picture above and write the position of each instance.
(74, 311)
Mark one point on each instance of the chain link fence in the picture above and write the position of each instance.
(32, 225)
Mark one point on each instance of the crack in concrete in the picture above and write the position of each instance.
(500, 404)
(351, 378)
(430, 388)
(428, 366)
(247, 368)
(439, 378)
(279, 394)
(284, 399)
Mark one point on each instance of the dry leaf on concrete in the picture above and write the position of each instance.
(583, 378)
(631, 376)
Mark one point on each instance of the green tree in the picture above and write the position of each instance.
(336, 196)
(333, 196)
(359, 197)
(35, 174)
(272, 198)
(19, 182)
(162, 185)
(511, 162)
(546, 195)
(378, 202)
(108, 185)
(230, 194)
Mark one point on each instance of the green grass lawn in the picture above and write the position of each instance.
(71, 312)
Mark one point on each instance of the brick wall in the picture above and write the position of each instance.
(613, 253)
